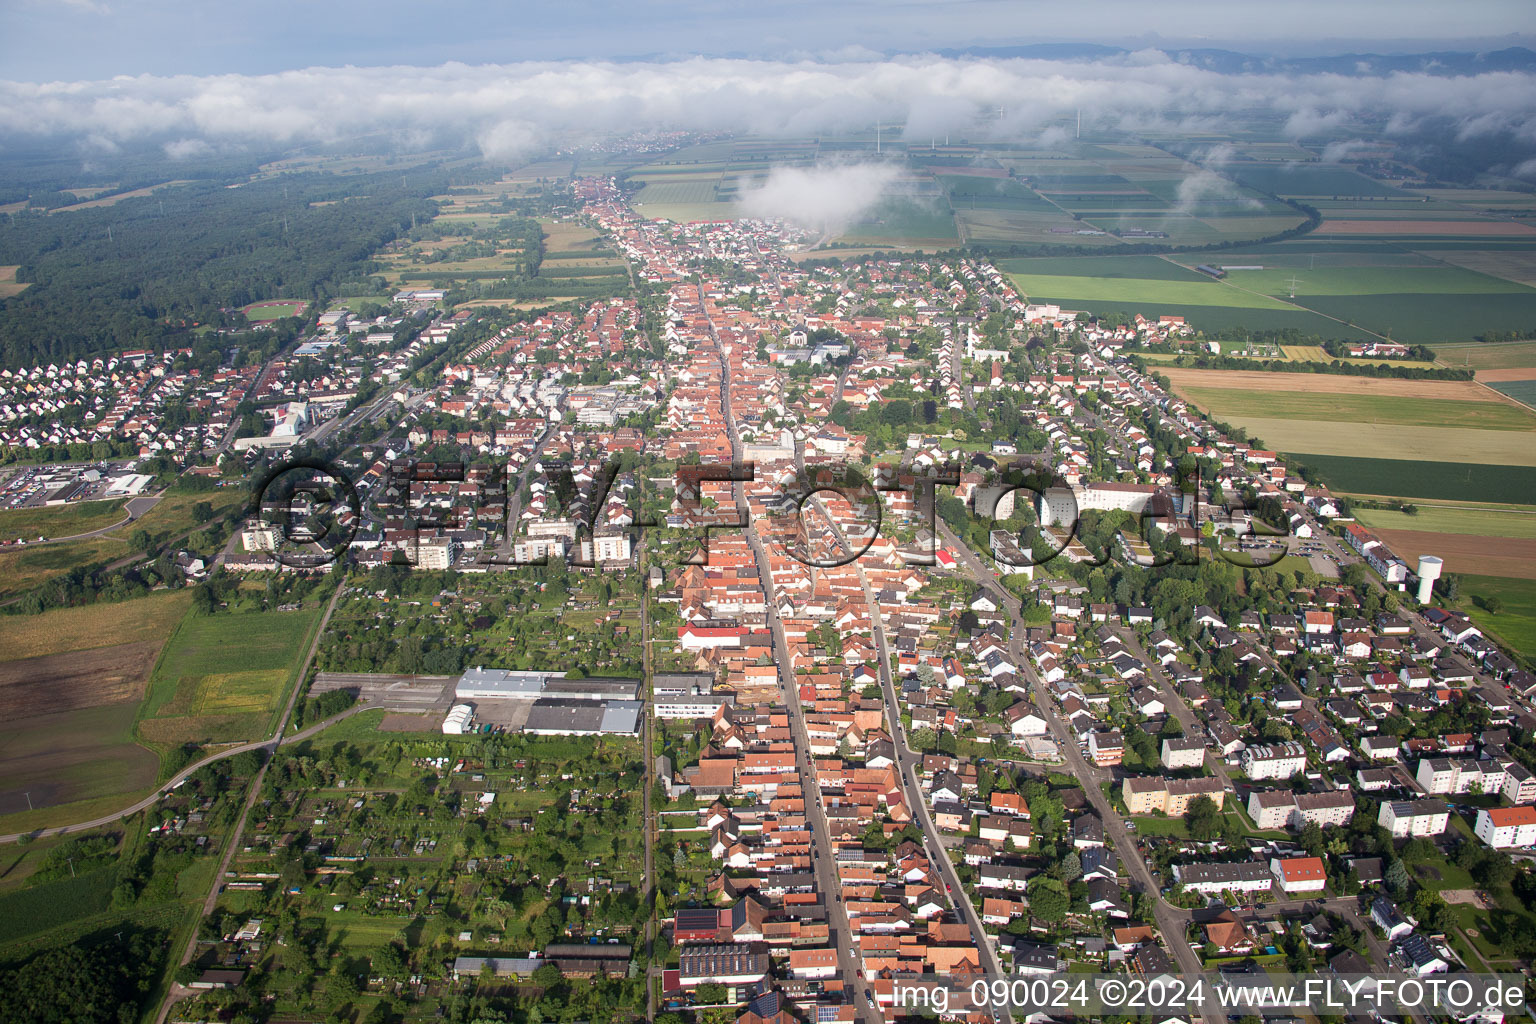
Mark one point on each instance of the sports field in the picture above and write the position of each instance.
(222, 677)
(276, 309)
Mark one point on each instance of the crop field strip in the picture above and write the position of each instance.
(1225, 403)
(1320, 383)
(1417, 478)
(1485, 356)
(1488, 556)
(1480, 522)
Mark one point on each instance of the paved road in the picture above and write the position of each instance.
(1177, 706)
(276, 741)
(1171, 920)
(648, 819)
(908, 761)
(823, 862)
(133, 509)
(253, 790)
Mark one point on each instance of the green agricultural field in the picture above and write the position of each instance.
(907, 220)
(1228, 403)
(1482, 356)
(223, 677)
(1522, 391)
(1431, 319)
(1136, 268)
(1478, 522)
(1149, 295)
(41, 907)
(59, 520)
(62, 630)
(1309, 180)
(22, 569)
(972, 192)
(1515, 621)
(1336, 280)
(1424, 479)
(677, 192)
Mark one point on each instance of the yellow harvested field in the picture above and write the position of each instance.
(1392, 441)
(112, 200)
(8, 283)
(1508, 373)
(1328, 384)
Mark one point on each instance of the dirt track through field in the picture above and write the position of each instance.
(1328, 384)
(1482, 556)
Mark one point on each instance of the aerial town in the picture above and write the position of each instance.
(939, 637)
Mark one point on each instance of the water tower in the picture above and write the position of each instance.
(1429, 571)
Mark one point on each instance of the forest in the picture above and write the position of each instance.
(143, 273)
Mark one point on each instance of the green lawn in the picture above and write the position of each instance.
(1515, 622)
(60, 520)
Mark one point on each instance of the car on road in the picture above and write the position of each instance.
(1130, 826)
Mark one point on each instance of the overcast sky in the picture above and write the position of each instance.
(67, 40)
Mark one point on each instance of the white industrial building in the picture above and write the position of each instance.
(458, 720)
(556, 705)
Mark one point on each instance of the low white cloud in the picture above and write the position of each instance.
(825, 198)
(508, 141)
(1313, 122)
(1206, 185)
(1343, 150)
(508, 108)
(185, 149)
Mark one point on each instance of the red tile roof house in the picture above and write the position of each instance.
(1299, 874)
